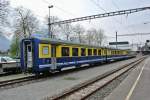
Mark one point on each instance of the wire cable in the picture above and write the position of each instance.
(59, 8)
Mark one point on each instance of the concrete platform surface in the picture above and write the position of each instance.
(136, 86)
(16, 76)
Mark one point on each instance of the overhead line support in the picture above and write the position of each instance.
(122, 12)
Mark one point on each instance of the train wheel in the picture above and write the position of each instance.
(59, 70)
(78, 66)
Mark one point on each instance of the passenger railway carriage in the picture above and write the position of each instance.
(42, 55)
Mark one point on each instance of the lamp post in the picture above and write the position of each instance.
(116, 40)
(49, 22)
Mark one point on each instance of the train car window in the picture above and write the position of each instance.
(105, 52)
(111, 52)
(94, 52)
(99, 52)
(3, 60)
(75, 51)
(89, 52)
(45, 50)
(29, 48)
(83, 52)
(65, 51)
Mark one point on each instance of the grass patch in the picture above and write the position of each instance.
(70, 78)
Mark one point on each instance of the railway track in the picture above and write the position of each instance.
(85, 89)
(32, 78)
(15, 81)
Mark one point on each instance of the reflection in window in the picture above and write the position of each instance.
(74, 51)
(105, 52)
(3, 60)
(29, 48)
(83, 52)
(45, 50)
(89, 52)
(99, 52)
(95, 51)
(65, 51)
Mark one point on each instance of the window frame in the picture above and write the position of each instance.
(84, 51)
(94, 52)
(73, 48)
(89, 52)
(62, 52)
(99, 53)
(41, 48)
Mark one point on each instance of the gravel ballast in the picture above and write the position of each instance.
(106, 90)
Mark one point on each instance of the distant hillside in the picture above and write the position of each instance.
(4, 43)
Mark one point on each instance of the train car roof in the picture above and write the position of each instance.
(58, 42)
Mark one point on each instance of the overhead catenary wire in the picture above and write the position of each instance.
(93, 1)
(98, 5)
(115, 5)
(120, 22)
(115, 13)
(126, 35)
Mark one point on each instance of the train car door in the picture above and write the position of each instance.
(53, 57)
(29, 55)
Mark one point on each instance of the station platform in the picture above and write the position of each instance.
(136, 86)
(15, 76)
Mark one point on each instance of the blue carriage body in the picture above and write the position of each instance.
(30, 56)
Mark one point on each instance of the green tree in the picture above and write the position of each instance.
(15, 47)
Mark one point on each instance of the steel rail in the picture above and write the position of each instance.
(33, 77)
(15, 81)
(112, 80)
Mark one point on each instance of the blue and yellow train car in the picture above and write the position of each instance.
(42, 55)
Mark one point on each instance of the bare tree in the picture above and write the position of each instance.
(90, 35)
(26, 22)
(79, 30)
(4, 10)
(67, 29)
(99, 37)
(55, 29)
(95, 37)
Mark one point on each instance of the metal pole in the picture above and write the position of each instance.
(49, 23)
(116, 40)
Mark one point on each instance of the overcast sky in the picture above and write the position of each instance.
(66, 9)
